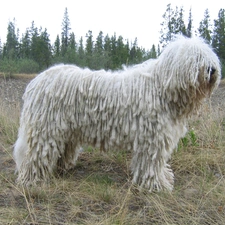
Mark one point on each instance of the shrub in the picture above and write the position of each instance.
(10, 67)
(27, 66)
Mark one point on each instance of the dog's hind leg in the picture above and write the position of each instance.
(20, 149)
(68, 159)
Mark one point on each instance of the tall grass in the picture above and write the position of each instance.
(99, 191)
(9, 121)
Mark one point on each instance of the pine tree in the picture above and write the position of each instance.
(46, 49)
(26, 45)
(218, 40)
(177, 25)
(11, 47)
(127, 52)
(173, 25)
(72, 42)
(113, 41)
(71, 54)
(122, 52)
(158, 51)
(108, 52)
(40, 47)
(65, 32)
(33, 30)
(81, 53)
(167, 25)
(189, 26)
(56, 47)
(135, 53)
(35, 48)
(98, 56)
(205, 27)
(99, 43)
(181, 28)
(153, 54)
(89, 49)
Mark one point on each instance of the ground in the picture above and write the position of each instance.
(98, 190)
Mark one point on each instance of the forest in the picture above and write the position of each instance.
(34, 51)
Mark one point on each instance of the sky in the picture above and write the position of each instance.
(128, 18)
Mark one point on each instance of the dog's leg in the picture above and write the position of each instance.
(68, 159)
(150, 170)
(20, 149)
(40, 160)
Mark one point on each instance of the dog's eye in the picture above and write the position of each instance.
(211, 70)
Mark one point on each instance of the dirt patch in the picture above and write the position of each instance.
(12, 89)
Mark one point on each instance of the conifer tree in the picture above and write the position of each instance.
(153, 54)
(167, 26)
(89, 49)
(218, 40)
(158, 51)
(45, 49)
(181, 28)
(205, 27)
(113, 41)
(71, 53)
(108, 52)
(98, 55)
(81, 53)
(40, 47)
(65, 32)
(135, 53)
(56, 47)
(122, 52)
(12, 44)
(99, 43)
(25, 46)
(189, 26)
(173, 24)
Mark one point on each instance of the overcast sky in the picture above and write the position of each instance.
(129, 18)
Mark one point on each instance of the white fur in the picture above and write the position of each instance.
(142, 108)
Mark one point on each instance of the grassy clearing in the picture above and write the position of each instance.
(98, 190)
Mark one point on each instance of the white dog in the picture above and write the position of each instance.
(142, 108)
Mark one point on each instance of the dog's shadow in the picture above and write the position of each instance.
(100, 167)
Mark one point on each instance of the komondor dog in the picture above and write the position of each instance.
(142, 108)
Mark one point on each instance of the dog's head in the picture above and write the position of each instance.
(189, 64)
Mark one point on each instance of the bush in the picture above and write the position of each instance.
(10, 67)
(27, 66)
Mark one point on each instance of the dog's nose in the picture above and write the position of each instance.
(211, 70)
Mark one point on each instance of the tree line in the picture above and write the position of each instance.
(34, 51)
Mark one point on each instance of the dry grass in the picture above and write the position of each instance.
(98, 190)
(18, 76)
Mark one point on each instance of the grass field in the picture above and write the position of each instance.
(99, 191)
